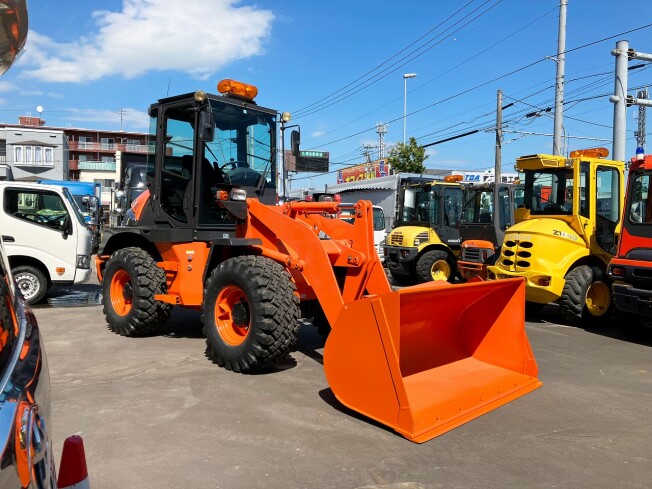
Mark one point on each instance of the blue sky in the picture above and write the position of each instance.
(338, 67)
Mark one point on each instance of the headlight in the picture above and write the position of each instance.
(238, 194)
(83, 261)
(421, 238)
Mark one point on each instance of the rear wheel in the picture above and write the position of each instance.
(31, 282)
(435, 265)
(131, 280)
(586, 298)
(250, 313)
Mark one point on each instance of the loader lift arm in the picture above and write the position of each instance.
(422, 360)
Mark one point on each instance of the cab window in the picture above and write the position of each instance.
(42, 208)
(607, 198)
(639, 200)
(379, 219)
(453, 203)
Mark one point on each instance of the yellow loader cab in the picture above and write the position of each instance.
(425, 244)
(565, 232)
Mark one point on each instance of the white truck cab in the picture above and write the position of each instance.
(45, 236)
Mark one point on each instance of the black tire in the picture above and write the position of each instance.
(31, 282)
(261, 313)
(586, 298)
(142, 314)
(435, 263)
(403, 279)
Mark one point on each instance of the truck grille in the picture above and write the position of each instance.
(471, 254)
(515, 255)
(396, 239)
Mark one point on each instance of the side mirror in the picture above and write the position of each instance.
(13, 31)
(206, 126)
(295, 141)
(85, 199)
(66, 227)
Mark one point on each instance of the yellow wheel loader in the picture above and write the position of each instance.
(205, 235)
(425, 243)
(565, 232)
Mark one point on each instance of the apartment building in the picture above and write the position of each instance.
(30, 150)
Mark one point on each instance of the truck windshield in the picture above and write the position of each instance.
(77, 211)
(242, 146)
(478, 207)
(81, 205)
(549, 191)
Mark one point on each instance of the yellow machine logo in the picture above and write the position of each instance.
(563, 234)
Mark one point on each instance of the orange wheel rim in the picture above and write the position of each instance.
(121, 292)
(232, 317)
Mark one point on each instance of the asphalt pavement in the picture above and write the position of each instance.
(156, 413)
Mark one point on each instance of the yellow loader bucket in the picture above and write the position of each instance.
(426, 359)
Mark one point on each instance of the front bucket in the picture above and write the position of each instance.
(426, 359)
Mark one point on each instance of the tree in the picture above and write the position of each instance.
(407, 158)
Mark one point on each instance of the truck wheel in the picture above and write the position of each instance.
(585, 298)
(31, 282)
(131, 280)
(434, 265)
(251, 313)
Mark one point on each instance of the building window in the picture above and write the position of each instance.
(105, 182)
(33, 155)
(85, 142)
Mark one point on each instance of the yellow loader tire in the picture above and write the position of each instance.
(586, 298)
(435, 265)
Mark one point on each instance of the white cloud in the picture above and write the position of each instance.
(317, 134)
(7, 86)
(195, 36)
(132, 119)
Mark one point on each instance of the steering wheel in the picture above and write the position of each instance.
(235, 164)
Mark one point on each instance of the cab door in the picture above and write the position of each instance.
(452, 203)
(38, 225)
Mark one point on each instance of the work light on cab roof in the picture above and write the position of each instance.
(237, 89)
(590, 153)
(453, 178)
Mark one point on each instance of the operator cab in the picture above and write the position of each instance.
(207, 147)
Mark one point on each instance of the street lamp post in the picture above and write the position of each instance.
(405, 78)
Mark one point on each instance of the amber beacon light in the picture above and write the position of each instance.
(238, 89)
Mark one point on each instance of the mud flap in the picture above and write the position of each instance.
(426, 359)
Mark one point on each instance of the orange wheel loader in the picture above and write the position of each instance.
(207, 235)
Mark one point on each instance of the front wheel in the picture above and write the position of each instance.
(435, 265)
(31, 282)
(586, 298)
(131, 280)
(250, 313)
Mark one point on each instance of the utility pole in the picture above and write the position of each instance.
(559, 81)
(366, 152)
(620, 99)
(499, 138)
(499, 154)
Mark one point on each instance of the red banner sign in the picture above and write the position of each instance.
(374, 169)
